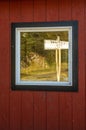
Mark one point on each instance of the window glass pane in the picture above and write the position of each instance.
(44, 56)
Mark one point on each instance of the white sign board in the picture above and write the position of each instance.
(54, 44)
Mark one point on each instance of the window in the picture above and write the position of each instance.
(45, 56)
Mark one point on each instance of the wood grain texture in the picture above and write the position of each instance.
(15, 97)
(27, 97)
(27, 111)
(39, 10)
(52, 97)
(4, 65)
(15, 111)
(53, 111)
(85, 57)
(52, 10)
(65, 98)
(39, 97)
(41, 110)
(4, 45)
(4, 110)
(79, 98)
(27, 10)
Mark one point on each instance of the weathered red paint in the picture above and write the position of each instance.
(28, 110)
(65, 98)
(15, 97)
(53, 114)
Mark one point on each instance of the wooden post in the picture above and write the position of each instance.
(57, 65)
(58, 61)
(57, 48)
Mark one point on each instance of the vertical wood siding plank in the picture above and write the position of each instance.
(65, 98)
(39, 97)
(27, 111)
(79, 98)
(52, 12)
(4, 110)
(39, 110)
(27, 97)
(39, 10)
(15, 97)
(15, 111)
(53, 111)
(4, 44)
(52, 97)
(26, 11)
(4, 65)
(85, 58)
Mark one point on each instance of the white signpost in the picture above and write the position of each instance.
(56, 45)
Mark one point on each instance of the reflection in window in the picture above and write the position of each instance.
(44, 56)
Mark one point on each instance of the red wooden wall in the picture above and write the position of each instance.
(33, 110)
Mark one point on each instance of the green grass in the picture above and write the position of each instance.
(36, 73)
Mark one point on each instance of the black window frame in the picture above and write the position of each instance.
(74, 86)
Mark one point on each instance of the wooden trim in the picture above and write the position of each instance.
(74, 86)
